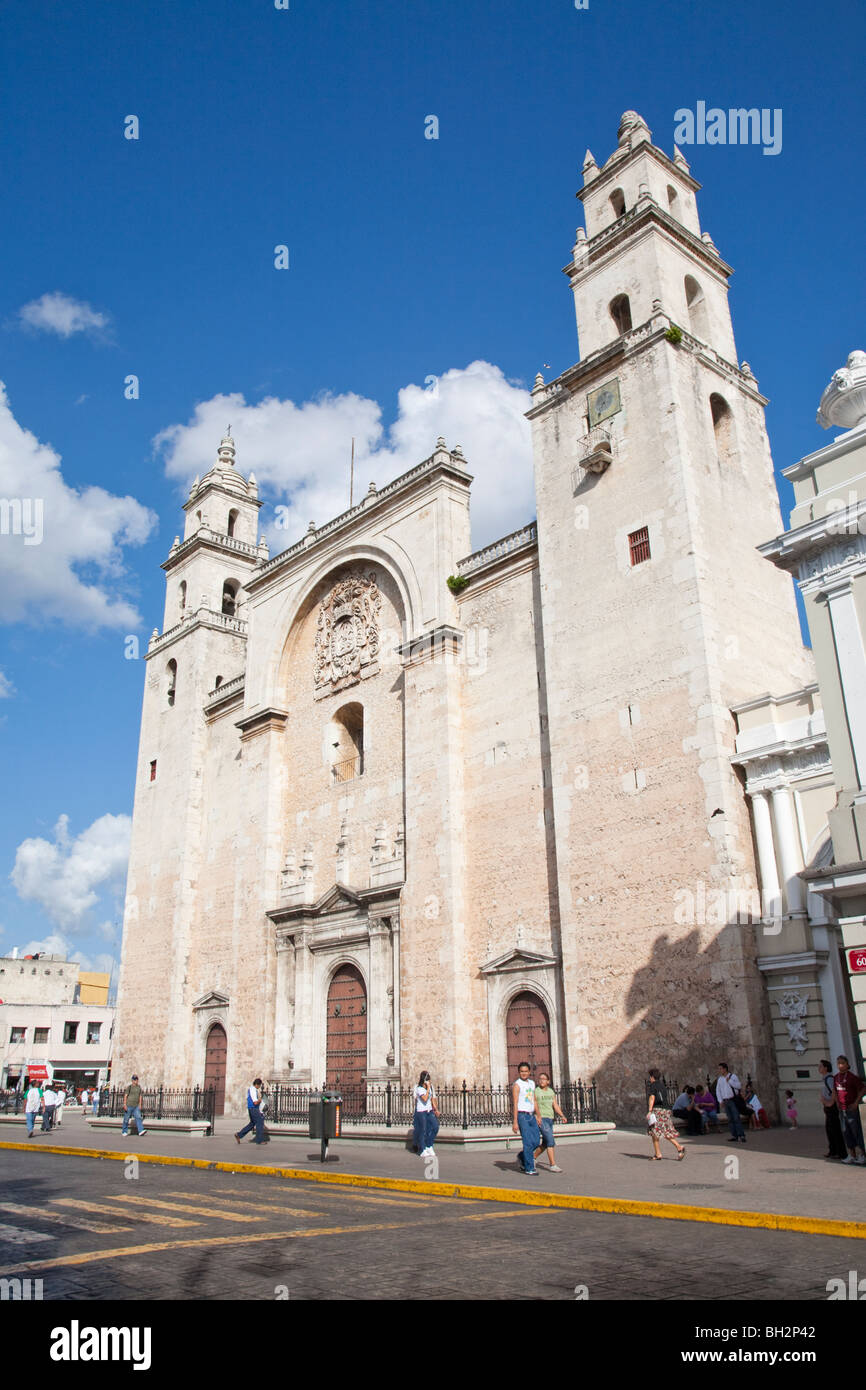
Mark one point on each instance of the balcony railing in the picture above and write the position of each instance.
(347, 770)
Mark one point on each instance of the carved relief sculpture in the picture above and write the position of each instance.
(347, 633)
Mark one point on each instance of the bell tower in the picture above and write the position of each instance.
(654, 486)
(202, 647)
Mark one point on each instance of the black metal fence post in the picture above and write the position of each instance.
(465, 1105)
(388, 1106)
(159, 1104)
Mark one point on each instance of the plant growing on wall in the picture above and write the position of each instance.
(457, 583)
(674, 334)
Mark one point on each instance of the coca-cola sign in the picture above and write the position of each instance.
(857, 960)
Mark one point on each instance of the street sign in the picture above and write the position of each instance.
(857, 960)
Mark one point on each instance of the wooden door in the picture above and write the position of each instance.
(528, 1032)
(346, 1059)
(215, 1066)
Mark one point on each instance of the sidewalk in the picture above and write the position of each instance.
(777, 1171)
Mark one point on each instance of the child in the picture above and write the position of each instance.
(791, 1107)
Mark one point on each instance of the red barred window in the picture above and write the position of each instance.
(639, 546)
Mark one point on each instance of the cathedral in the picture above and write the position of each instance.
(401, 804)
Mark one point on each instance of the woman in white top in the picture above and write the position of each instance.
(426, 1120)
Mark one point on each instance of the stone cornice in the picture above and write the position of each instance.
(612, 169)
(261, 721)
(583, 375)
(224, 697)
(206, 539)
(823, 549)
(784, 763)
(518, 544)
(441, 464)
(802, 960)
(646, 212)
(443, 641)
(203, 617)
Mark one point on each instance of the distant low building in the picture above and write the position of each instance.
(52, 1013)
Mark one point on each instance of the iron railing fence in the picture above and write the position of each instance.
(673, 1088)
(162, 1103)
(393, 1106)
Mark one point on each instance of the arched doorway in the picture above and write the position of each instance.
(527, 1030)
(215, 1065)
(346, 1055)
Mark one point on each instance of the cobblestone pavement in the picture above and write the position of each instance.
(776, 1171)
(96, 1231)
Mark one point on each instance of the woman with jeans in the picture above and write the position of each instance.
(426, 1119)
(545, 1099)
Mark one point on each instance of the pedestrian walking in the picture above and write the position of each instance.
(31, 1108)
(660, 1120)
(59, 1104)
(49, 1103)
(548, 1108)
(95, 1099)
(791, 1109)
(526, 1118)
(832, 1124)
(84, 1098)
(254, 1110)
(132, 1109)
(727, 1091)
(849, 1092)
(425, 1122)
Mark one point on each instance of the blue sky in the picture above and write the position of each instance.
(409, 259)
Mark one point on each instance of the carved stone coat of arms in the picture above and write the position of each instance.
(347, 634)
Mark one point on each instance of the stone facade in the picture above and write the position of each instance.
(469, 794)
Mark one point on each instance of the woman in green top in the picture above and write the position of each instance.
(547, 1108)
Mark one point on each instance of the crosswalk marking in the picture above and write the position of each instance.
(404, 1200)
(250, 1202)
(59, 1218)
(192, 1210)
(14, 1235)
(154, 1218)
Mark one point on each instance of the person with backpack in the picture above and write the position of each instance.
(727, 1093)
(254, 1110)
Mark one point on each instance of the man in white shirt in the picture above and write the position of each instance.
(727, 1087)
(49, 1100)
(31, 1107)
(254, 1110)
(526, 1119)
(58, 1107)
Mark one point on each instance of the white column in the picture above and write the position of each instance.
(851, 658)
(770, 891)
(378, 1003)
(791, 861)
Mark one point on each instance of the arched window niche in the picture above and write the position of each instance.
(171, 682)
(617, 202)
(345, 743)
(696, 304)
(230, 598)
(620, 312)
(723, 429)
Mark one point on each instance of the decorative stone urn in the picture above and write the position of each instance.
(844, 401)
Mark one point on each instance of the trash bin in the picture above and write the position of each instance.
(325, 1108)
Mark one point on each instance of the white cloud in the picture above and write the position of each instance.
(6, 687)
(300, 453)
(63, 876)
(59, 313)
(49, 531)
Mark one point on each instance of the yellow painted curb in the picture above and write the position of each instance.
(617, 1206)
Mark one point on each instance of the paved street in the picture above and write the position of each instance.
(91, 1233)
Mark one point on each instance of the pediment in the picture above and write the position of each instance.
(338, 898)
(518, 959)
(214, 999)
